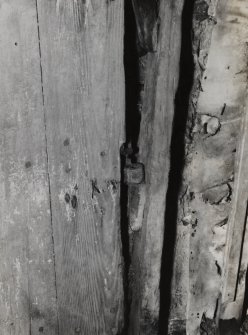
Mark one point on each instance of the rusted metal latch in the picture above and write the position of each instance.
(133, 172)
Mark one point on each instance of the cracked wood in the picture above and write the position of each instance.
(27, 278)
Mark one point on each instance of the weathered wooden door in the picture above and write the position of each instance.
(61, 126)
(123, 158)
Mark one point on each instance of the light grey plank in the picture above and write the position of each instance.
(27, 281)
(82, 51)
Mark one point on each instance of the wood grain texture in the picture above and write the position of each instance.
(186, 252)
(237, 240)
(161, 80)
(83, 81)
(27, 278)
(209, 193)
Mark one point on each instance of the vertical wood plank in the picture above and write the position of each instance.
(161, 80)
(236, 249)
(237, 240)
(81, 52)
(212, 203)
(189, 248)
(27, 280)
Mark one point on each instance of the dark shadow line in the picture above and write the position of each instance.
(177, 158)
(245, 303)
(241, 252)
(132, 129)
(132, 85)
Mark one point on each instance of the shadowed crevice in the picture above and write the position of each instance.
(186, 75)
(128, 149)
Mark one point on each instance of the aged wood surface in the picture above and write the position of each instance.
(61, 128)
(27, 279)
(147, 217)
(213, 200)
(237, 239)
(83, 87)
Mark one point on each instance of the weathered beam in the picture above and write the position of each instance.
(237, 240)
(147, 200)
(212, 205)
(27, 277)
(83, 81)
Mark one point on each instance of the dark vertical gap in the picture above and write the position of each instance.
(130, 148)
(241, 252)
(132, 87)
(245, 304)
(233, 325)
(186, 74)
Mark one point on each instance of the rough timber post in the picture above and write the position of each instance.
(147, 209)
(210, 267)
